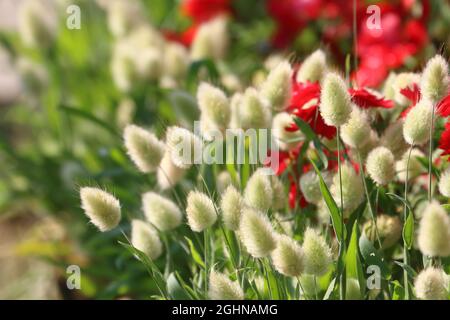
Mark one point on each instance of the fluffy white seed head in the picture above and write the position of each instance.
(254, 113)
(277, 87)
(200, 210)
(176, 60)
(316, 252)
(434, 231)
(432, 284)
(258, 192)
(231, 205)
(102, 208)
(143, 148)
(352, 189)
(352, 289)
(184, 146)
(160, 211)
(211, 40)
(145, 238)
(288, 257)
(416, 129)
(235, 106)
(279, 195)
(256, 233)
(380, 165)
(286, 140)
(168, 174)
(402, 81)
(309, 185)
(313, 67)
(214, 105)
(123, 16)
(335, 102)
(37, 23)
(444, 183)
(435, 80)
(372, 142)
(222, 288)
(355, 131)
(393, 139)
(389, 230)
(415, 168)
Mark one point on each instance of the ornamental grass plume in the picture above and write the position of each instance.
(254, 113)
(200, 210)
(415, 167)
(434, 231)
(316, 252)
(185, 147)
(258, 193)
(160, 211)
(123, 16)
(380, 165)
(288, 257)
(278, 193)
(393, 139)
(222, 288)
(145, 238)
(402, 81)
(352, 189)
(256, 233)
(416, 129)
(310, 187)
(235, 106)
(143, 148)
(434, 84)
(335, 103)
(313, 68)
(432, 284)
(176, 60)
(277, 87)
(168, 174)
(389, 229)
(231, 205)
(211, 40)
(214, 106)
(444, 183)
(102, 208)
(354, 131)
(286, 139)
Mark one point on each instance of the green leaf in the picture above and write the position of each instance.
(87, 116)
(353, 263)
(411, 272)
(195, 68)
(175, 290)
(311, 135)
(408, 230)
(341, 234)
(194, 253)
(371, 256)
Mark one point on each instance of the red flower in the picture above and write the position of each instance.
(412, 94)
(365, 99)
(444, 142)
(203, 10)
(443, 107)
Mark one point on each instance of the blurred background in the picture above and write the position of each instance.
(74, 73)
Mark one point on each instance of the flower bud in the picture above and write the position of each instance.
(168, 174)
(434, 231)
(288, 257)
(415, 168)
(101, 207)
(392, 139)
(354, 131)
(145, 238)
(254, 113)
(256, 233)
(222, 288)
(380, 165)
(313, 68)
(310, 187)
(444, 183)
(160, 211)
(435, 81)
(214, 105)
(277, 87)
(185, 147)
(279, 195)
(352, 189)
(258, 193)
(432, 284)
(416, 129)
(389, 229)
(201, 213)
(316, 252)
(143, 148)
(286, 140)
(335, 102)
(231, 205)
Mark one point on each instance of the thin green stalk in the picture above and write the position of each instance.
(430, 155)
(372, 212)
(303, 290)
(262, 265)
(205, 244)
(342, 242)
(315, 287)
(405, 217)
